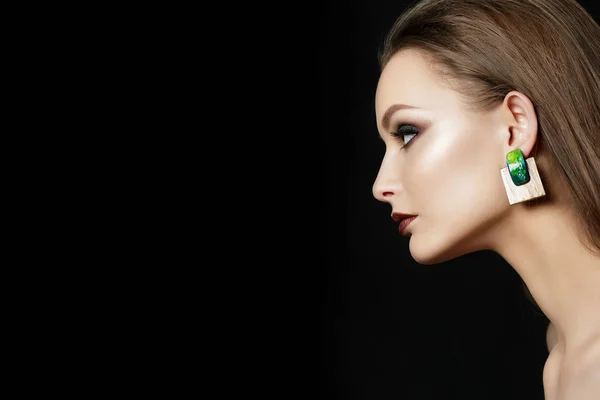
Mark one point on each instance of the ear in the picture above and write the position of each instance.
(521, 122)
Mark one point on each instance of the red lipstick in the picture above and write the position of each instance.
(403, 220)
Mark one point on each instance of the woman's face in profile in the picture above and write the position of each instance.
(448, 173)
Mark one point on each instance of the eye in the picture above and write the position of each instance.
(405, 130)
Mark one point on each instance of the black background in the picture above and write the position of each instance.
(389, 327)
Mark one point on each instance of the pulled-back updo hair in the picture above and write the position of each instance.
(548, 50)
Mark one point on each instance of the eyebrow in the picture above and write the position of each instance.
(385, 120)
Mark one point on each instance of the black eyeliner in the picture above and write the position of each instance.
(415, 130)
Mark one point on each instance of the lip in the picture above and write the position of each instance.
(403, 221)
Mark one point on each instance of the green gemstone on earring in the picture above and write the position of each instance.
(517, 167)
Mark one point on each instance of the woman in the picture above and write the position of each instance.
(490, 114)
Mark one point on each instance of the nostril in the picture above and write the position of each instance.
(383, 189)
(383, 195)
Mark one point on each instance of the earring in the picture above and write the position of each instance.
(521, 178)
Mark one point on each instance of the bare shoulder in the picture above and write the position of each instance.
(584, 385)
(580, 379)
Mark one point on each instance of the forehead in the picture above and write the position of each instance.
(408, 79)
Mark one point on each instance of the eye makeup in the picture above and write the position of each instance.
(403, 131)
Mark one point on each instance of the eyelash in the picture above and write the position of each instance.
(399, 134)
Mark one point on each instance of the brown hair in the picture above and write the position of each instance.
(548, 50)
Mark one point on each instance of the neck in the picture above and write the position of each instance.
(562, 275)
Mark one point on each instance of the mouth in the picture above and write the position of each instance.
(403, 221)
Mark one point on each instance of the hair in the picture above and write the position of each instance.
(549, 50)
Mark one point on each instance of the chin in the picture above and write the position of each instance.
(430, 251)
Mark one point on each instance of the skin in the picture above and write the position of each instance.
(449, 175)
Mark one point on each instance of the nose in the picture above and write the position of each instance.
(387, 184)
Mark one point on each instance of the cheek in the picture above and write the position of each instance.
(455, 179)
